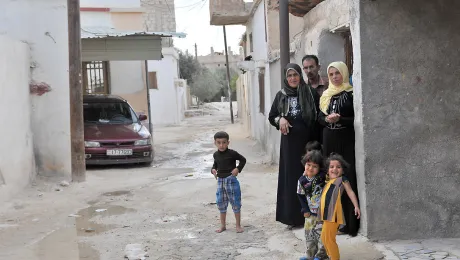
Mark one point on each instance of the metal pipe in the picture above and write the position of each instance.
(146, 65)
(228, 77)
(284, 36)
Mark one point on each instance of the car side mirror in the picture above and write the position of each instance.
(142, 117)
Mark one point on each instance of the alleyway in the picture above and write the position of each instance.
(168, 208)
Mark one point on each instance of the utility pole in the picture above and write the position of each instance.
(284, 36)
(147, 83)
(77, 141)
(196, 51)
(228, 76)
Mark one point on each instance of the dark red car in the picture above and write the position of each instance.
(114, 133)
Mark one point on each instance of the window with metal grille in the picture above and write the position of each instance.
(262, 92)
(153, 83)
(95, 77)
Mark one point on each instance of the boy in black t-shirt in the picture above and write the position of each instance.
(228, 186)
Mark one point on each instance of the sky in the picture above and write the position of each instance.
(192, 18)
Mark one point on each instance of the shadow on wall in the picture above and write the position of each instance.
(331, 48)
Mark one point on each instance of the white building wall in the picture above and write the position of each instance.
(17, 164)
(126, 77)
(163, 101)
(260, 127)
(43, 25)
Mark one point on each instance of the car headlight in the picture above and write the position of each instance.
(92, 144)
(142, 142)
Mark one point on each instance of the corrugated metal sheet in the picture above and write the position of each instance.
(106, 32)
(122, 48)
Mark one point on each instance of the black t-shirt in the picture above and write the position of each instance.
(225, 162)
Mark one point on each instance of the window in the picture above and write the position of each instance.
(251, 44)
(262, 92)
(108, 113)
(95, 77)
(153, 83)
(348, 51)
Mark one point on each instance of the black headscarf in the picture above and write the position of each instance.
(304, 94)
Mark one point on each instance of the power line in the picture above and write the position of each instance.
(190, 24)
(195, 4)
(204, 2)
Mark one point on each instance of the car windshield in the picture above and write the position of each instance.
(108, 113)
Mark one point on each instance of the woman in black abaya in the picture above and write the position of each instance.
(294, 113)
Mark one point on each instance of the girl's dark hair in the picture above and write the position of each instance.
(339, 158)
(313, 145)
(314, 157)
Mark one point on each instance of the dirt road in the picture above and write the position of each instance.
(169, 208)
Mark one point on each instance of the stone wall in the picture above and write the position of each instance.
(407, 111)
(159, 15)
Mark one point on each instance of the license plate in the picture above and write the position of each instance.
(120, 152)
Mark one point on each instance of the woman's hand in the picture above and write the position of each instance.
(284, 126)
(333, 118)
(357, 212)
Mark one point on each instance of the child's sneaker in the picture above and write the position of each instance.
(303, 258)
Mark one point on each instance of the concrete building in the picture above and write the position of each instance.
(34, 54)
(127, 78)
(35, 81)
(216, 60)
(17, 163)
(401, 54)
(257, 87)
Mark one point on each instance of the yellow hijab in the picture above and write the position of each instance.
(333, 90)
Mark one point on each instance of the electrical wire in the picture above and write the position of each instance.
(192, 5)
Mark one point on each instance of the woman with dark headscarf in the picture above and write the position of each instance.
(294, 113)
(337, 115)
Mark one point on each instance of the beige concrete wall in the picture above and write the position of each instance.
(317, 37)
(128, 81)
(128, 77)
(127, 21)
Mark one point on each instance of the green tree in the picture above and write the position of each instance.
(188, 67)
(206, 85)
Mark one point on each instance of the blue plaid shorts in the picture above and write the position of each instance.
(228, 190)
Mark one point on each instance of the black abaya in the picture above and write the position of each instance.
(288, 209)
(340, 138)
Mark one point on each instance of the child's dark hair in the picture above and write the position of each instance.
(339, 158)
(221, 135)
(313, 146)
(313, 157)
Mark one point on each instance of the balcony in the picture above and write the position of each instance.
(297, 8)
(229, 12)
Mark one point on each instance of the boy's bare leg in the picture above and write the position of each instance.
(239, 229)
(223, 221)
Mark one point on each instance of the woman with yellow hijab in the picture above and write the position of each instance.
(337, 116)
